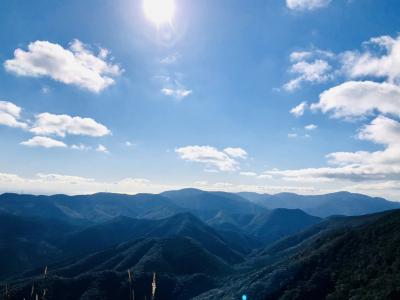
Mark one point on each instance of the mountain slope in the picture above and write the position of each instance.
(275, 224)
(176, 255)
(184, 270)
(207, 204)
(28, 242)
(123, 229)
(266, 226)
(340, 203)
(88, 208)
(348, 263)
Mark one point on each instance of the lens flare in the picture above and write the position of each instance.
(159, 11)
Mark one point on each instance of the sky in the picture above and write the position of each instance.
(136, 96)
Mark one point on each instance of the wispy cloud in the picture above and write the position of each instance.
(303, 5)
(309, 66)
(212, 157)
(299, 110)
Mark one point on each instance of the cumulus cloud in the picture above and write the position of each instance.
(212, 157)
(48, 124)
(310, 127)
(299, 110)
(382, 130)
(384, 63)
(306, 4)
(360, 165)
(43, 141)
(10, 115)
(77, 65)
(236, 152)
(316, 71)
(354, 99)
(377, 98)
(311, 66)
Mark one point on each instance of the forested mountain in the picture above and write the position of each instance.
(340, 203)
(212, 245)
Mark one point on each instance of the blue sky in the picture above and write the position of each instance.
(267, 96)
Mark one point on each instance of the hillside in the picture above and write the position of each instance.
(357, 263)
(216, 253)
(88, 208)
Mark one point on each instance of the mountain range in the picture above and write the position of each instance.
(201, 245)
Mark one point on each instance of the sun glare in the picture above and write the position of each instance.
(159, 11)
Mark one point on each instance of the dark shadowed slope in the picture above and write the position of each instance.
(275, 224)
(184, 269)
(348, 263)
(175, 255)
(28, 242)
(266, 226)
(122, 229)
(341, 203)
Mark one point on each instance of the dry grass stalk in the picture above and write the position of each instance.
(32, 291)
(153, 287)
(131, 289)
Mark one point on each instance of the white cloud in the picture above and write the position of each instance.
(81, 147)
(209, 156)
(177, 93)
(10, 115)
(355, 99)
(316, 71)
(292, 135)
(312, 66)
(361, 165)
(64, 178)
(306, 4)
(382, 130)
(101, 148)
(310, 127)
(76, 65)
(47, 124)
(299, 110)
(236, 152)
(172, 86)
(52, 183)
(348, 172)
(383, 65)
(43, 141)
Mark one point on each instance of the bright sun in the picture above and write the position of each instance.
(159, 11)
